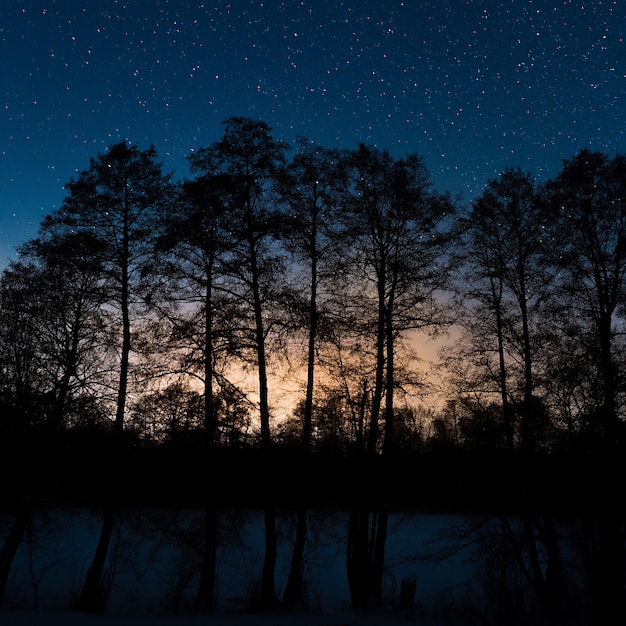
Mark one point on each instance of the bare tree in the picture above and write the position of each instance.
(588, 199)
(249, 157)
(506, 280)
(308, 187)
(400, 230)
(114, 205)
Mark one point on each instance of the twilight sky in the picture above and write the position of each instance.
(473, 86)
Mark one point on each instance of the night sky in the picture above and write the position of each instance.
(472, 86)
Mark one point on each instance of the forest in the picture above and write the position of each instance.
(153, 328)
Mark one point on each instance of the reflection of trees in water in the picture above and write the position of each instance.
(16, 527)
(155, 562)
(365, 555)
(526, 568)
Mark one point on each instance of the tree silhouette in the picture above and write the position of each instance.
(588, 199)
(197, 243)
(505, 264)
(72, 326)
(138, 300)
(114, 206)
(398, 225)
(308, 187)
(589, 209)
(249, 157)
(400, 238)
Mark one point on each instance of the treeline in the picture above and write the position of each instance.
(142, 302)
(137, 318)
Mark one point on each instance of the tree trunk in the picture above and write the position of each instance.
(264, 411)
(92, 597)
(506, 407)
(406, 603)
(205, 595)
(210, 422)
(372, 439)
(535, 573)
(379, 530)
(605, 549)
(357, 556)
(310, 370)
(69, 371)
(268, 594)
(365, 555)
(527, 414)
(294, 587)
(268, 591)
(609, 412)
(22, 518)
(606, 570)
(389, 387)
(125, 353)
(557, 594)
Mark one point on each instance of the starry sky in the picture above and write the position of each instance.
(473, 86)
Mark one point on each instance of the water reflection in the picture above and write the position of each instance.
(156, 558)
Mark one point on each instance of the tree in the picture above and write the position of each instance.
(54, 346)
(168, 415)
(22, 380)
(55, 338)
(399, 229)
(308, 187)
(588, 200)
(198, 242)
(73, 327)
(114, 207)
(22, 518)
(510, 281)
(505, 265)
(572, 382)
(248, 157)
